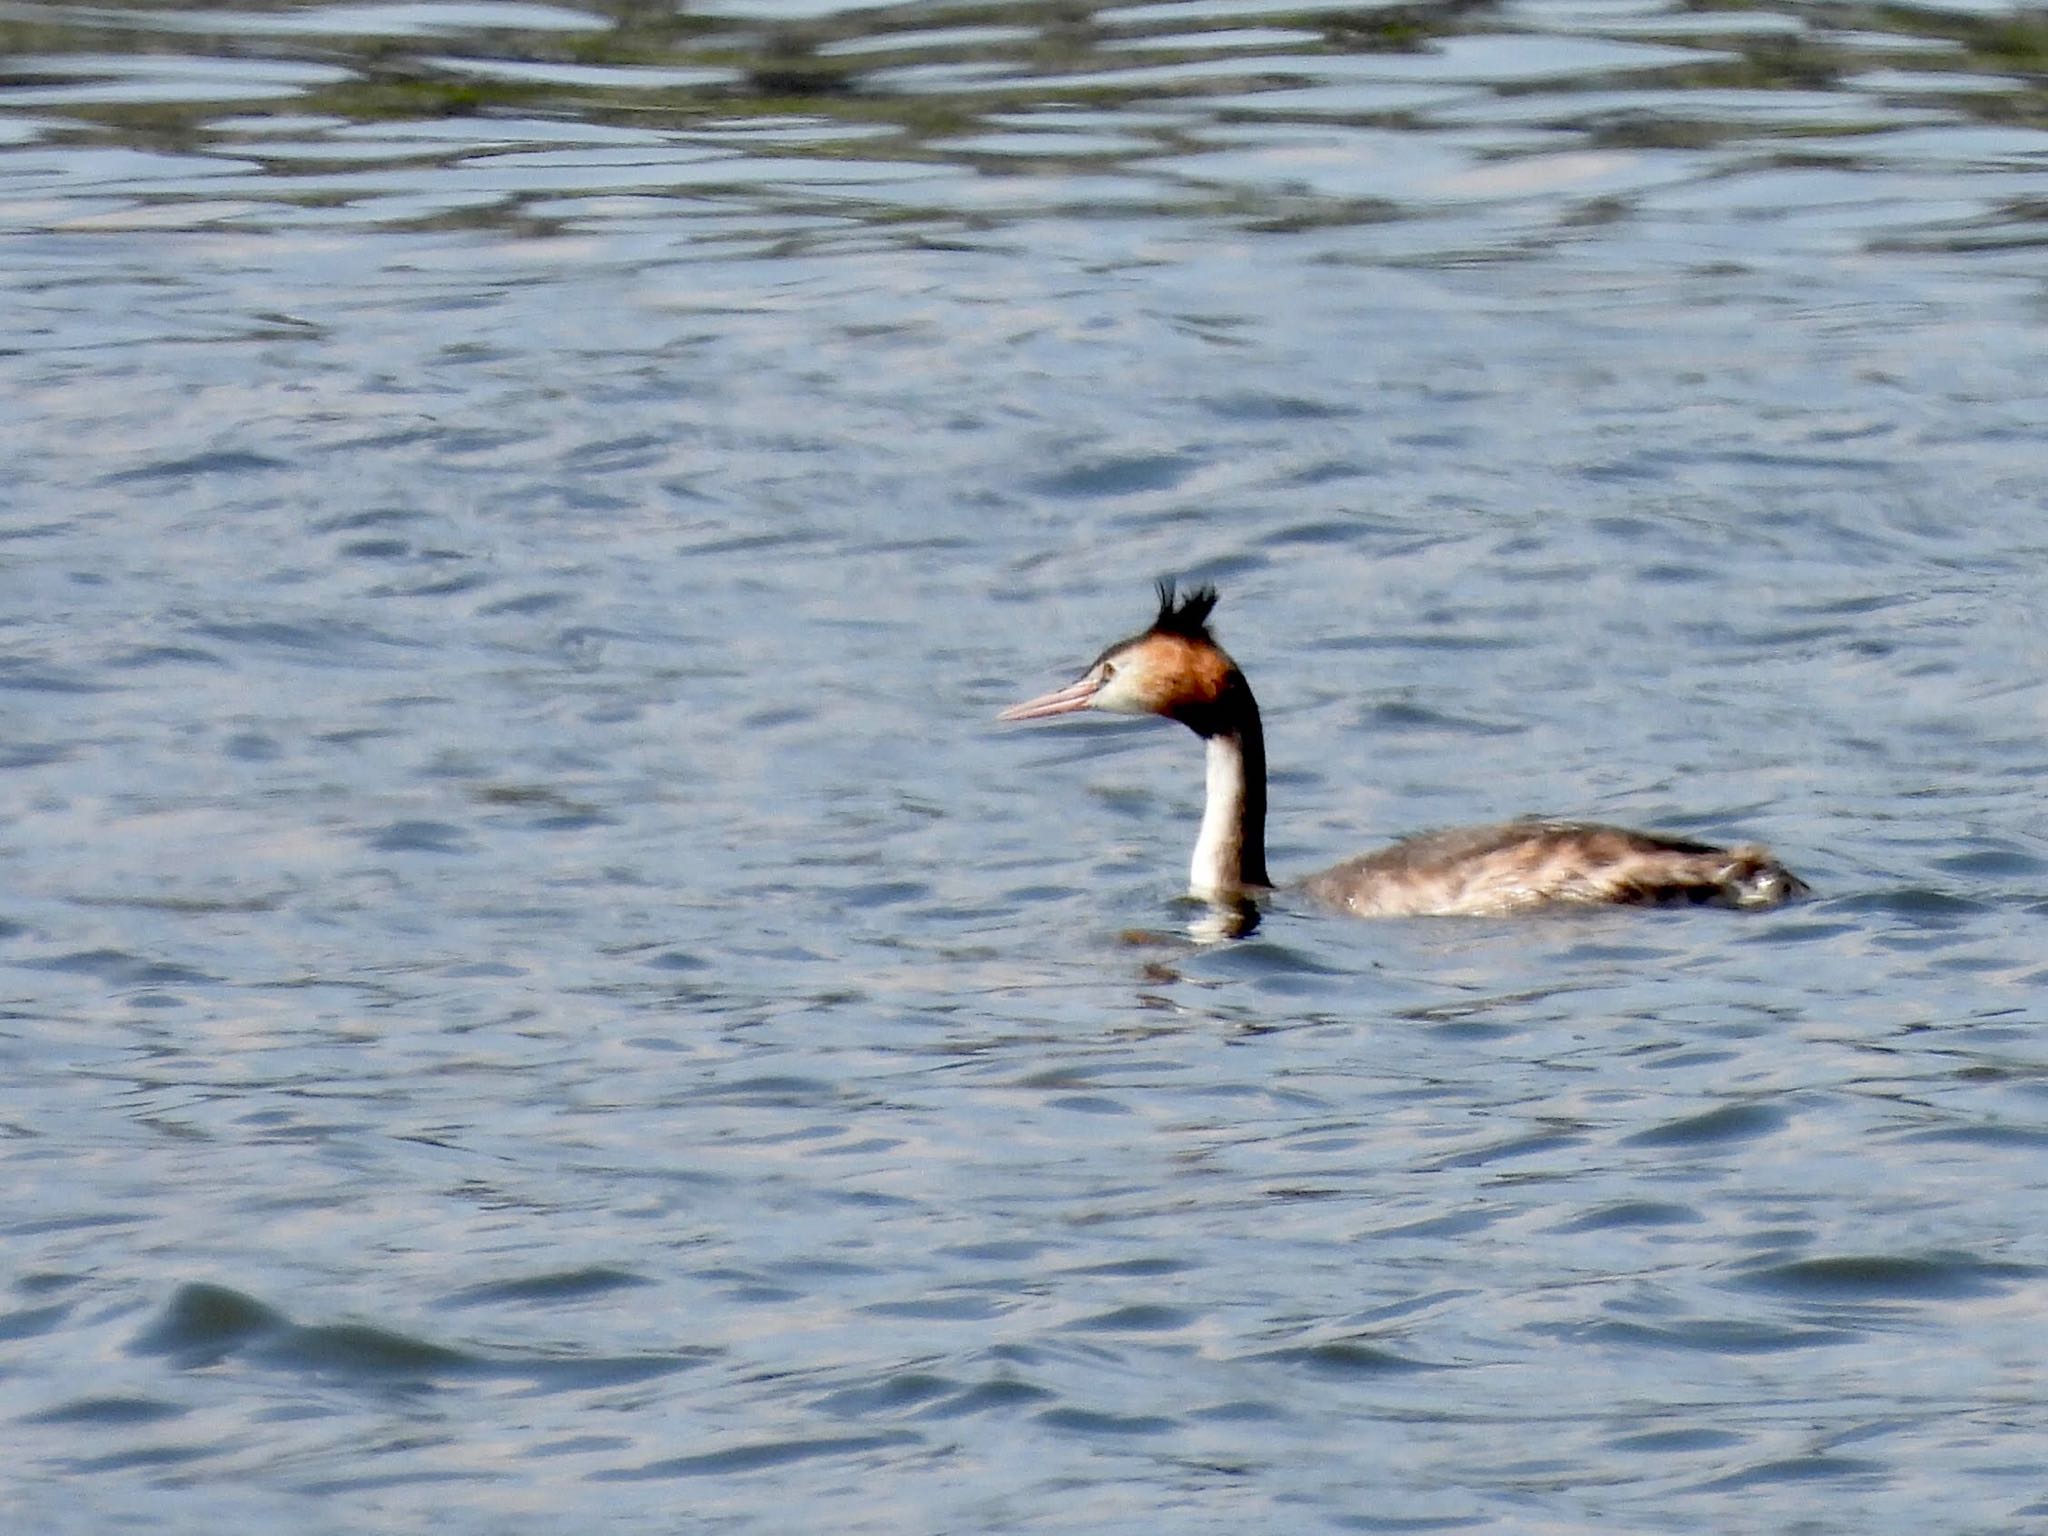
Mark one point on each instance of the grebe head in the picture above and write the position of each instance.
(1175, 669)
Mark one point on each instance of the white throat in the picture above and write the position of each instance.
(1217, 870)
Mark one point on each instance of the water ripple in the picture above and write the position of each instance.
(205, 1325)
(534, 983)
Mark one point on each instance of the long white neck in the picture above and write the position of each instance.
(1230, 852)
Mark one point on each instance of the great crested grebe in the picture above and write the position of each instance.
(1177, 669)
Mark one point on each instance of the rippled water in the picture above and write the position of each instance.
(538, 998)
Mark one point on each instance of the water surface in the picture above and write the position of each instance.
(537, 994)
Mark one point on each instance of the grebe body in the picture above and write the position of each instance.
(1520, 866)
(1176, 669)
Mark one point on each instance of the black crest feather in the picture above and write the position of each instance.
(1187, 616)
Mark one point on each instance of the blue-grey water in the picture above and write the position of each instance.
(538, 999)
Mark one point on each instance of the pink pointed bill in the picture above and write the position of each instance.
(1061, 701)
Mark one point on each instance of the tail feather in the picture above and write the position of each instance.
(1744, 876)
(1751, 877)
